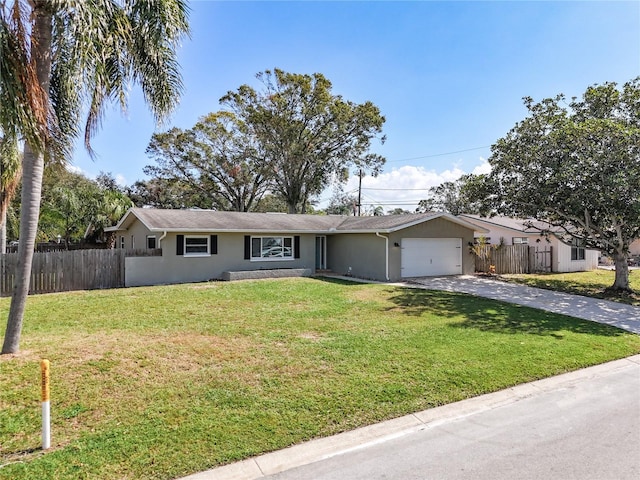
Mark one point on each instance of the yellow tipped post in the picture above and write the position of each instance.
(46, 411)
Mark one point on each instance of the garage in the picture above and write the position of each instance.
(429, 257)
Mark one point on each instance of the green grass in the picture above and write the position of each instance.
(161, 382)
(590, 284)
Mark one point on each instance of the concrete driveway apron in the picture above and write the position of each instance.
(617, 314)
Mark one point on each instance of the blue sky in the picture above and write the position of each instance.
(448, 76)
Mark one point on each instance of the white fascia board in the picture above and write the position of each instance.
(448, 216)
(235, 230)
(485, 230)
(120, 226)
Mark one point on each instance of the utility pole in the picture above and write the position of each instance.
(360, 173)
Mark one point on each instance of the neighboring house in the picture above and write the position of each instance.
(561, 257)
(199, 245)
(634, 253)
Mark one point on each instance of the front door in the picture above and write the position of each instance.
(321, 253)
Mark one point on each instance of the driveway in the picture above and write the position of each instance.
(617, 314)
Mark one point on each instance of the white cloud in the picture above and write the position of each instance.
(403, 187)
(483, 168)
(74, 169)
(121, 180)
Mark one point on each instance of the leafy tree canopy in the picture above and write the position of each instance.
(307, 136)
(576, 165)
(456, 198)
(271, 203)
(291, 139)
(216, 159)
(342, 204)
(165, 193)
(73, 205)
(398, 211)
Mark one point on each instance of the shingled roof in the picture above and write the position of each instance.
(213, 221)
(522, 225)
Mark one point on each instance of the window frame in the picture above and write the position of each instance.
(155, 242)
(578, 253)
(186, 245)
(286, 241)
(519, 240)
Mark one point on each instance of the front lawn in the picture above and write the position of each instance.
(590, 284)
(161, 382)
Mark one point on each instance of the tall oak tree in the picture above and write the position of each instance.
(308, 136)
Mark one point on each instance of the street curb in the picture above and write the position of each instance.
(322, 448)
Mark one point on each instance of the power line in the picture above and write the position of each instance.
(390, 204)
(398, 189)
(438, 154)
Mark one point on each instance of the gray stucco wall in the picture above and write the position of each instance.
(358, 254)
(365, 252)
(135, 237)
(172, 268)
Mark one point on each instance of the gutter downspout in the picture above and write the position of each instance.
(386, 254)
(164, 234)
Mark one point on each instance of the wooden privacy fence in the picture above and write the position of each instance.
(69, 270)
(512, 258)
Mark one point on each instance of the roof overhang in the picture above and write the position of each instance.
(127, 220)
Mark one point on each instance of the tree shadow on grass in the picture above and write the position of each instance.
(467, 311)
(593, 289)
(341, 281)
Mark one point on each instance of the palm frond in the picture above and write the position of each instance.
(157, 29)
(24, 109)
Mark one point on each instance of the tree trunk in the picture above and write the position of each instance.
(111, 240)
(32, 173)
(621, 282)
(3, 231)
(33, 168)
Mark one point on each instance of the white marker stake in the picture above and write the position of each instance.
(46, 412)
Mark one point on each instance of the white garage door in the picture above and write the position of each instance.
(428, 257)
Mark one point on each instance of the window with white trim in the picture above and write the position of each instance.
(520, 240)
(122, 241)
(151, 242)
(196, 245)
(272, 248)
(577, 249)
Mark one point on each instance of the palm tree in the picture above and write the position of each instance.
(10, 170)
(107, 209)
(60, 57)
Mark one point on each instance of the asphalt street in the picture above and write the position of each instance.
(585, 429)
